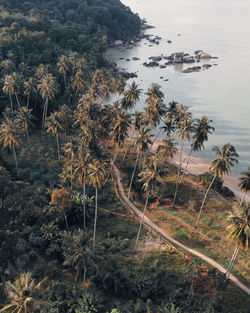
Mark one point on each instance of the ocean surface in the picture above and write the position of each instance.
(222, 92)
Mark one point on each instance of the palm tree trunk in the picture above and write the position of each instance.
(44, 114)
(77, 274)
(113, 161)
(28, 101)
(155, 138)
(66, 220)
(231, 264)
(128, 147)
(95, 218)
(71, 175)
(17, 101)
(178, 174)
(184, 173)
(203, 202)
(243, 198)
(11, 103)
(14, 151)
(84, 274)
(84, 205)
(64, 78)
(27, 135)
(58, 146)
(132, 177)
(141, 222)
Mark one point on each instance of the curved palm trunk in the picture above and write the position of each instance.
(84, 205)
(243, 198)
(95, 218)
(14, 152)
(11, 103)
(141, 222)
(17, 100)
(132, 177)
(155, 138)
(44, 114)
(203, 202)
(231, 264)
(113, 161)
(178, 174)
(58, 146)
(128, 146)
(184, 173)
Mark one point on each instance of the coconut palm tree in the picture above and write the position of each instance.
(29, 89)
(150, 177)
(184, 130)
(219, 167)
(25, 295)
(55, 127)
(239, 226)
(131, 96)
(10, 134)
(201, 129)
(24, 120)
(118, 86)
(78, 82)
(12, 87)
(69, 150)
(78, 253)
(141, 143)
(96, 172)
(48, 88)
(245, 183)
(167, 150)
(63, 67)
(81, 165)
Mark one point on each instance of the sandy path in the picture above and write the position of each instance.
(176, 243)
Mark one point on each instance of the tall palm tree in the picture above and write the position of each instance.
(78, 253)
(131, 96)
(12, 87)
(81, 165)
(141, 142)
(24, 295)
(29, 89)
(239, 226)
(219, 167)
(150, 177)
(201, 129)
(78, 82)
(96, 172)
(245, 183)
(184, 130)
(24, 119)
(119, 86)
(167, 150)
(10, 135)
(69, 150)
(55, 127)
(63, 67)
(48, 88)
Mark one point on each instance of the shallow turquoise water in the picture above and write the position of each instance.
(219, 27)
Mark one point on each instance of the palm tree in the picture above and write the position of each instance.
(81, 165)
(201, 129)
(24, 295)
(185, 127)
(24, 120)
(219, 167)
(167, 150)
(150, 177)
(239, 226)
(245, 183)
(77, 253)
(10, 134)
(69, 150)
(96, 178)
(78, 82)
(48, 89)
(12, 87)
(55, 127)
(142, 142)
(119, 86)
(63, 67)
(131, 96)
(29, 89)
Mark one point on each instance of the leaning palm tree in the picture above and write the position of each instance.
(201, 130)
(24, 120)
(96, 172)
(239, 226)
(10, 134)
(131, 96)
(245, 183)
(54, 126)
(12, 87)
(167, 150)
(78, 253)
(24, 295)
(141, 143)
(150, 177)
(219, 167)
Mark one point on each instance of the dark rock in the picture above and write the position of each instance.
(206, 66)
(161, 77)
(166, 80)
(169, 41)
(128, 60)
(162, 66)
(135, 59)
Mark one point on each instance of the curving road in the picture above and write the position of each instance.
(122, 196)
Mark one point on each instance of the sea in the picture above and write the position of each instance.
(222, 29)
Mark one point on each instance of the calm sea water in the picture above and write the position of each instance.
(219, 27)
